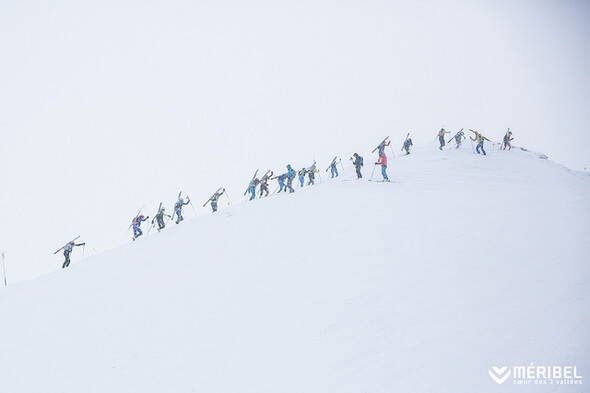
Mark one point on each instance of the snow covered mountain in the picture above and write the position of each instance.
(424, 284)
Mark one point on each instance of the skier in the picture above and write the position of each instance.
(68, 248)
(281, 180)
(290, 176)
(358, 163)
(302, 174)
(507, 139)
(264, 183)
(459, 138)
(407, 144)
(160, 218)
(252, 187)
(215, 198)
(136, 222)
(332, 168)
(382, 146)
(178, 208)
(383, 162)
(441, 137)
(311, 174)
(479, 138)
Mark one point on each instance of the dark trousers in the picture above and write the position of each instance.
(358, 172)
(480, 146)
(67, 261)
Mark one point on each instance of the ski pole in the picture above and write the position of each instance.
(83, 249)
(191, 202)
(392, 151)
(4, 269)
(150, 228)
(472, 146)
(227, 195)
(342, 165)
(373, 172)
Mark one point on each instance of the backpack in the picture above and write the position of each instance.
(360, 160)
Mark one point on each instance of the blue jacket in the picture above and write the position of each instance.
(290, 172)
(138, 220)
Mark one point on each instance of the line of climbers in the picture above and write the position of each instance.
(478, 138)
(285, 181)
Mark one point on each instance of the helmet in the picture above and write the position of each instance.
(356, 155)
(181, 200)
(142, 216)
(163, 209)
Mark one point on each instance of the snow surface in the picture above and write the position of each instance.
(348, 286)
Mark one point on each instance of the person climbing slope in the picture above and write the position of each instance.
(281, 179)
(178, 208)
(311, 174)
(252, 187)
(441, 137)
(264, 183)
(136, 222)
(459, 137)
(479, 138)
(407, 145)
(383, 162)
(160, 218)
(68, 248)
(381, 147)
(301, 175)
(358, 163)
(333, 169)
(290, 176)
(215, 198)
(507, 139)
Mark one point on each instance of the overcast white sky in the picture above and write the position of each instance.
(109, 105)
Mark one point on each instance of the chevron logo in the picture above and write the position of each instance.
(499, 374)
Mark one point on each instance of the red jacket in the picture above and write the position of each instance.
(382, 160)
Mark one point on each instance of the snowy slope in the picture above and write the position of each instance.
(418, 286)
